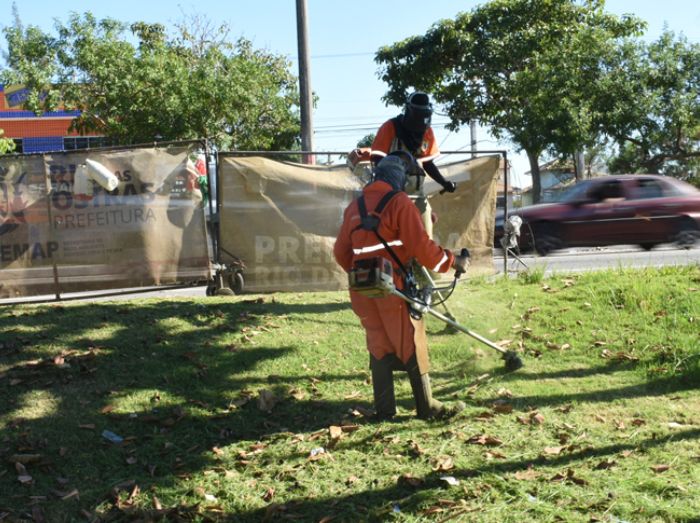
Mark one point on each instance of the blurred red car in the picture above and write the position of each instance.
(645, 210)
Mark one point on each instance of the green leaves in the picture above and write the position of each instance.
(193, 85)
(654, 108)
(527, 68)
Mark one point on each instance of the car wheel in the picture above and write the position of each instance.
(546, 238)
(687, 234)
(647, 246)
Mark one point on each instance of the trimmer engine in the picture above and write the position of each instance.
(372, 277)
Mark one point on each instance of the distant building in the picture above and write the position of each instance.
(555, 177)
(36, 134)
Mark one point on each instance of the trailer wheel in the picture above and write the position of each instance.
(236, 282)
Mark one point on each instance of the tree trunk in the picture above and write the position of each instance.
(579, 168)
(534, 157)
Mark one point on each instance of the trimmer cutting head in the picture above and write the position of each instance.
(512, 361)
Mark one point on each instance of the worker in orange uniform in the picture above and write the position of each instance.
(395, 340)
(411, 131)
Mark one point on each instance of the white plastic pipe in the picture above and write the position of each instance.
(101, 175)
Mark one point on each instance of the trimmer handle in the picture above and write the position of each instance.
(464, 252)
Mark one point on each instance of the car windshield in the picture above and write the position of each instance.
(574, 192)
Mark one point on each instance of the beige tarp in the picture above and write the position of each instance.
(150, 230)
(281, 219)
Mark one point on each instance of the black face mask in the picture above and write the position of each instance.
(417, 120)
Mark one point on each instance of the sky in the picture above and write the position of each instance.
(343, 37)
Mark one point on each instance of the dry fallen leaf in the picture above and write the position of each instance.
(504, 393)
(605, 464)
(335, 432)
(352, 480)
(660, 468)
(297, 394)
(410, 480)
(25, 459)
(25, 479)
(484, 416)
(570, 477)
(536, 418)
(502, 407)
(443, 464)
(414, 449)
(269, 494)
(266, 400)
(482, 439)
(553, 451)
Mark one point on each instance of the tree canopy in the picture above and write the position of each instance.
(6, 145)
(192, 85)
(527, 68)
(652, 106)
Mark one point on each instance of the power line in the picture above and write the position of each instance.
(338, 55)
(341, 127)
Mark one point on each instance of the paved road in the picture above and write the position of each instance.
(565, 261)
(576, 260)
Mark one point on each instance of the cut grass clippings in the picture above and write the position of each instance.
(253, 408)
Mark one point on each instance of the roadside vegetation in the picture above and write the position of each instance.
(253, 408)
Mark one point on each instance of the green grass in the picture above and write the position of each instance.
(601, 424)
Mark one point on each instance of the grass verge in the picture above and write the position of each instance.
(252, 408)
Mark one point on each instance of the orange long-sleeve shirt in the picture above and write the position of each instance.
(386, 141)
(400, 226)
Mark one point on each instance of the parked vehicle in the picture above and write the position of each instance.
(645, 210)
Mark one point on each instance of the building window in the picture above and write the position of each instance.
(18, 145)
(72, 143)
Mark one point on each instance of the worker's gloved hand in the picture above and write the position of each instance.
(461, 263)
(449, 186)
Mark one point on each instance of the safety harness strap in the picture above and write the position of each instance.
(370, 222)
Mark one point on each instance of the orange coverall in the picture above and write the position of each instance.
(386, 141)
(388, 325)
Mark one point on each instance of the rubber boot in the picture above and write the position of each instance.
(426, 406)
(383, 387)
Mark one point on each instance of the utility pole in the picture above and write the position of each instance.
(305, 95)
(472, 136)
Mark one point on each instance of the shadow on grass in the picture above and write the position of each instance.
(192, 373)
(64, 368)
(654, 387)
(377, 504)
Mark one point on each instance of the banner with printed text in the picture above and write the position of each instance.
(281, 219)
(148, 230)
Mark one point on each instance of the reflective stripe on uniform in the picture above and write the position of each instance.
(377, 247)
(444, 259)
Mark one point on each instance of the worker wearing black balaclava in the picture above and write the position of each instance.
(411, 131)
